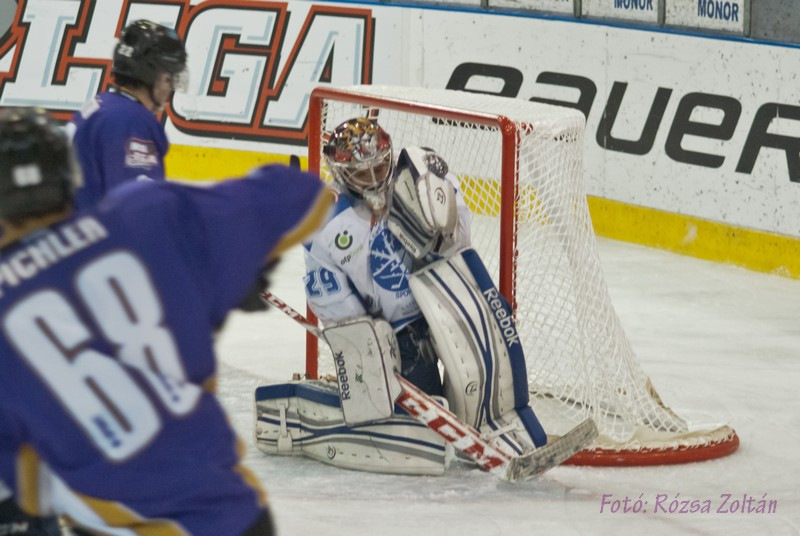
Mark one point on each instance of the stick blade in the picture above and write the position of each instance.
(554, 453)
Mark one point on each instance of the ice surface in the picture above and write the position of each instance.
(720, 343)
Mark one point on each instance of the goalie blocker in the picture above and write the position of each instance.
(475, 336)
(366, 356)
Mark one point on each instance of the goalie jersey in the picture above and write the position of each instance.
(106, 351)
(355, 266)
(116, 140)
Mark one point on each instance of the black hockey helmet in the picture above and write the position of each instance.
(36, 165)
(145, 50)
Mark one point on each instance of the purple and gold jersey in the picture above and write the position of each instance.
(116, 140)
(106, 350)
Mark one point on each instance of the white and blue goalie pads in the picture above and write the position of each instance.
(305, 418)
(486, 381)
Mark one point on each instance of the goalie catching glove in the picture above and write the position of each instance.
(423, 213)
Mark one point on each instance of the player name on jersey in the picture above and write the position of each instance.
(44, 250)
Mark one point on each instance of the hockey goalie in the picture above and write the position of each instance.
(397, 288)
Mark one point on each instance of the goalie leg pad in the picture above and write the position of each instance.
(305, 418)
(486, 381)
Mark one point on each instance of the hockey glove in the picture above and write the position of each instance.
(253, 301)
(423, 212)
(14, 521)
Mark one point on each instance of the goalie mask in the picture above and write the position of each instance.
(359, 155)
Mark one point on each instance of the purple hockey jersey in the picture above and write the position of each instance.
(106, 350)
(116, 140)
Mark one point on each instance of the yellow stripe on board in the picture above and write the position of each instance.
(695, 237)
(187, 162)
(686, 235)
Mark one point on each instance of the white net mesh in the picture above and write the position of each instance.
(580, 363)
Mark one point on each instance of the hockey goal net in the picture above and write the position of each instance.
(519, 165)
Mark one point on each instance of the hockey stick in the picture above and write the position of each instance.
(464, 437)
(422, 407)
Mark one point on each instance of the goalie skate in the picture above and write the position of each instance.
(554, 453)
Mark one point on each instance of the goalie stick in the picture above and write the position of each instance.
(464, 437)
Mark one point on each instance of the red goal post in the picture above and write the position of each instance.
(519, 165)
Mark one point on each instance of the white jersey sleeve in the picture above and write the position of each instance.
(329, 290)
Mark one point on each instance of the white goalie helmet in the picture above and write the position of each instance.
(359, 155)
